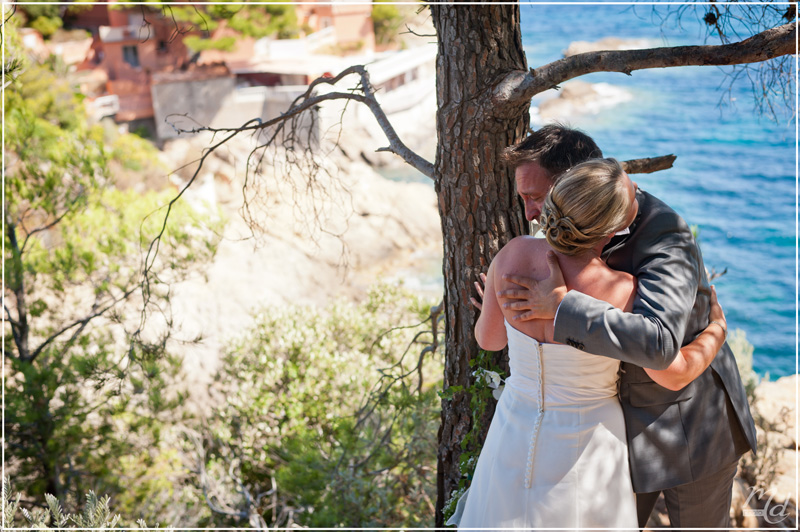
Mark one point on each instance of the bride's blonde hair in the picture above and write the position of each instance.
(588, 202)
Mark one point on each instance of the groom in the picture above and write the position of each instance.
(684, 443)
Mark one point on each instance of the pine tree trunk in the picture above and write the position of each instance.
(480, 212)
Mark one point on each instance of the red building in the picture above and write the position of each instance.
(130, 44)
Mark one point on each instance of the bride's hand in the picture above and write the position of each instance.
(479, 284)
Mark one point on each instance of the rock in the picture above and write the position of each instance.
(775, 404)
(609, 43)
(772, 497)
(579, 97)
(775, 401)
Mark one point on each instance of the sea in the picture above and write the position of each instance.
(735, 176)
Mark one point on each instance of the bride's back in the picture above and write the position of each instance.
(587, 273)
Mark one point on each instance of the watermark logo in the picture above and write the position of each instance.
(772, 512)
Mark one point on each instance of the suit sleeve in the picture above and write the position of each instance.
(666, 264)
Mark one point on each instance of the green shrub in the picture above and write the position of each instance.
(95, 515)
(47, 26)
(743, 352)
(330, 413)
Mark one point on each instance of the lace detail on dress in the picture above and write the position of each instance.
(539, 416)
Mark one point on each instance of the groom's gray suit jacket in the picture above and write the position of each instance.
(673, 437)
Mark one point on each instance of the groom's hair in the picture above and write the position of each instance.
(555, 147)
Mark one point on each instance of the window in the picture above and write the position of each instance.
(130, 54)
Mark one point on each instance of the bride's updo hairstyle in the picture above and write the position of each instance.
(588, 202)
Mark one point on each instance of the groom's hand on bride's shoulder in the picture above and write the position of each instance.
(535, 300)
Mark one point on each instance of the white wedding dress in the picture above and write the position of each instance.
(555, 455)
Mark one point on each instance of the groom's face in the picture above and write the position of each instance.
(533, 184)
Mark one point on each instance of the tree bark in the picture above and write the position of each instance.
(648, 165)
(479, 209)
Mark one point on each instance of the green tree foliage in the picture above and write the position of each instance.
(305, 435)
(275, 20)
(86, 384)
(43, 17)
(40, 8)
(47, 26)
(386, 20)
(266, 20)
(198, 44)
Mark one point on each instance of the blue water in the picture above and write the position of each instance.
(735, 173)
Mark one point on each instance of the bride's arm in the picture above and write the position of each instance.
(490, 331)
(694, 358)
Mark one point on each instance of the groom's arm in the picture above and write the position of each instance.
(666, 263)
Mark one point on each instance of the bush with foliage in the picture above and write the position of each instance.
(327, 418)
(743, 352)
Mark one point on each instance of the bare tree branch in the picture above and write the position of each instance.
(201, 463)
(388, 379)
(15, 326)
(145, 24)
(648, 165)
(770, 82)
(412, 32)
(714, 274)
(518, 87)
(308, 100)
(47, 226)
(178, 31)
(8, 317)
(155, 244)
(5, 22)
(82, 322)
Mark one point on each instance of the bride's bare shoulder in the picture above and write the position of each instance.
(525, 243)
(522, 252)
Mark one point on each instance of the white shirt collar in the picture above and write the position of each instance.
(622, 232)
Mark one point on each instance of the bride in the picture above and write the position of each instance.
(556, 454)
